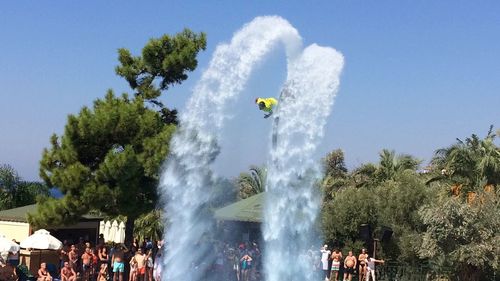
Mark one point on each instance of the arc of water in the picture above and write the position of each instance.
(292, 204)
(194, 147)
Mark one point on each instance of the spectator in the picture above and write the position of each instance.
(86, 264)
(95, 262)
(7, 272)
(334, 276)
(349, 266)
(63, 253)
(43, 274)
(325, 253)
(140, 262)
(103, 273)
(245, 267)
(73, 258)
(149, 265)
(235, 264)
(370, 267)
(101, 241)
(103, 256)
(158, 265)
(362, 264)
(67, 272)
(118, 265)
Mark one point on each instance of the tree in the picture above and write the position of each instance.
(14, 192)
(391, 164)
(335, 173)
(463, 236)
(466, 163)
(149, 225)
(251, 183)
(109, 157)
(164, 62)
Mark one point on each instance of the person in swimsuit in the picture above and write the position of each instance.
(103, 273)
(73, 258)
(43, 274)
(67, 273)
(118, 265)
(362, 264)
(349, 266)
(245, 267)
(336, 254)
(335, 269)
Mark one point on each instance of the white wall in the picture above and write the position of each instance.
(14, 230)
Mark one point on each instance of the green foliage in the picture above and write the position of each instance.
(335, 172)
(103, 161)
(14, 192)
(386, 194)
(109, 157)
(391, 165)
(465, 236)
(349, 208)
(468, 162)
(251, 183)
(149, 225)
(164, 62)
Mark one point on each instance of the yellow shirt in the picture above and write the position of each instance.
(269, 103)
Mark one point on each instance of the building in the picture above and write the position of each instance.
(14, 225)
(243, 217)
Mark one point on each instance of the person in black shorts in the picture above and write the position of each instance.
(349, 266)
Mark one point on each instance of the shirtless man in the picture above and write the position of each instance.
(86, 263)
(140, 260)
(118, 265)
(349, 266)
(336, 256)
(67, 273)
(362, 263)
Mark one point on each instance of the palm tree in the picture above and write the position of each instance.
(251, 183)
(468, 162)
(149, 225)
(390, 165)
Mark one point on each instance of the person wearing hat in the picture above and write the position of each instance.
(266, 105)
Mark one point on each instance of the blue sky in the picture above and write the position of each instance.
(418, 74)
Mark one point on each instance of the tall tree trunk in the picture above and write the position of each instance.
(129, 230)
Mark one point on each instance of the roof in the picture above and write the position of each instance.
(20, 214)
(249, 210)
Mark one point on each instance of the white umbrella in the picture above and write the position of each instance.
(121, 233)
(41, 240)
(113, 231)
(101, 227)
(107, 227)
(7, 245)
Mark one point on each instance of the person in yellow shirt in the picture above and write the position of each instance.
(266, 105)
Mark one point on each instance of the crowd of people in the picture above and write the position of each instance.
(144, 262)
(117, 262)
(335, 267)
(83, 261)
